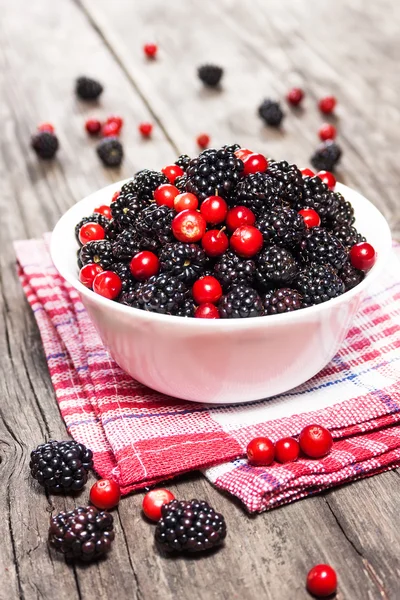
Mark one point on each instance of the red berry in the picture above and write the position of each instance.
(186, 201)
(105, 494)
(362, 256)
(165, 194)
(322, 581)
(327, 132)
(144, 264)
(88, 273)
(154, 500)
(107, 284)
(103, 210)
(189, 226)
(214, 209)
(295, 96)
(260, 451)
(215, 242)
(307, 172)
(246, 241)
(93, 126)
(46, 127)
(117, 120)
(115, 196)
(254, 163)
(145, 129)
(315, 441)
(311, 217)
(328, 178)
(327, 104)
(207, 289)
(207, 311)
(150, 50)
(203, 140)
(110, 130)
(172, 172)
(287, 450)
(238, 216)
(90, 232)
(242, 152)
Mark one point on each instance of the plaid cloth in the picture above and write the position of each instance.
(140, 437)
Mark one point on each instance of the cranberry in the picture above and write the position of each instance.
(311, 217)
(172, 172)
(207, 311)
(110, 130)
(327, 104)
(150, 50)
(88, 273)
(203, 140)
(145, 129)
(315, 441)
(327, 131)
(117, 120)
(90, 232)
(322, 581)
(215, 242)
(307, 172)
(115, 197)
(207, 289)
(260, 451)
(246, 241)
(46, 127)
(238, 216)
(165, 194)
(287, 450)
(254, 163)
(242, 152)
(186, 201)
(362, 256)
(214, 209)
(295, 96)
(328, 178)
(104, 210)
(154, 500)
(105, 494)
(189, 226)
(144, 264)
(107, 284)
(93, 126)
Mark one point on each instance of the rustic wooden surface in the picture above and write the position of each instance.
(349, 48)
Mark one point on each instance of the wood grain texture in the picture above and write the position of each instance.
(347, 48)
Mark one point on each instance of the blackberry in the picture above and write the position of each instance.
(187, 309)
(348, 235)
(110, 152)
(161, 293)
(183, 161)
(129, 296)
(78, 259)
(282, 301)
(231, 270)
(288, 179)
(257, 191)
(93, 218)
(213, 172)
(345, 212)
(154, 225)
(82, 534)
(61, 466)
(184, 261)
(282, 226)
(123, 271)
(240, 302)
(126, 245)
(189, 526)
(350, 276)
(125, 210)
(319, 197)
(45, 144)
(112, 230)
(318, 283)
(210, 75)
(87, 88)
(231, 147)
(326, 156)
(320, 246)
(144, 183)
(180, 183)
(271, 112)
(275, 265)
(98, 252)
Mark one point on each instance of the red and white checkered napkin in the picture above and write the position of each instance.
(140, 437)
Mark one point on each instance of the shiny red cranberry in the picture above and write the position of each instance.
(254, 163)
(327, 104)
(207, 311)
(242, 152)
(90, 232)
(172, 172)
(260, 452)
(295, 96)
(153, 502)
(93, 126)
(206, 289)
(214, 209)
(238, 216)
(104, 210)
(311, 217)
(144, 265)
(287, 450)
(189, 226)
(110, 130)
(215, 242)
(247, 241)
(165, 195)
(307, 172)
(88, 273)
(150, 50)
(105, 494)
(327, 131)
(117, 120)
(145, 129)
(107, 284)
(185, 201)
(322, 581)
(203, 140)
(46, 127)
(363, 256)
(328, 178)
(315, 441)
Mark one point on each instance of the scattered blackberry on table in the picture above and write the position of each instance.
(282, 226)
(345, 212)
(155, 224)
(231, 270)
(271, 112)
(183, 161)
(93, 218)
(144, 183)
(348, 235)
(326, 156)
(350, 276)
(210, 75)
(45, 144)
(213, 172)
(161, 293)
(240, 302)
(187, 262)
(61, 466)
(274, 266)
(257, 191)
(189, 526)
(180, 183)
(110, 152)
(126, 245)
(124, 273)
(187, 309)
(125, 210)
(98, 252)
(82, 534)
(281, 301)
(288, 179)
(87, 88)
(318, 283)
(320, 246)
(319, 197)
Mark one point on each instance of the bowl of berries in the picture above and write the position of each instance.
(223, 278)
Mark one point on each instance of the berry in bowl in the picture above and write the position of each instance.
(214, 283)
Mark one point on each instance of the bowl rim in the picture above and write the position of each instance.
(217, 324)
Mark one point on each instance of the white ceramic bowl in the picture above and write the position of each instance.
(220, 361)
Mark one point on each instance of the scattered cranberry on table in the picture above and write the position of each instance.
(307, 172)
(315, 441)
(247, 241)
(105, 494)
(327, 131)
(110, 130)
(287, 450)
(189, 226)
(46, 127)
(107, 284)
(215, 242)
(214, 209)
(118, 121)
(207, 289)
(254, 163)
(311, 217)
(145, 129)
(295, 96)
(150, 50)
(172, 172)
(91, 232)
(328, 178)
(93, 126)
(322, 581)
(203, 140)
(165, 195)
(327, 104)
(104, 210)
(261, 452)
(88, 273)
(207, 311)
(185, 201)
(144, 265)
(153, 502)
(363, 256)
(238, 216)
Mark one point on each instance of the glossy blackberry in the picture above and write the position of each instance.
(87, 88)
(129, 296)
(110, 152)
(350, 276)
(123, 271)
(231, 270)
(98, 252)
(183, 161)
(319, 197)
(93, 218)
(274, 266)
(210, 75)
(288, 179)
(112, 230)
(184, 261)
(161, 293)
(271, 113)
(145, 182)
(180, 183)
(186, 309)
(281, 301)
(213, 172)
(345, 212)
(348, 235)
(282, 226)
(126, 245)
(78, 259)
(189, 526)
(257, 191)
(240, 302)
(231, 147)
(61, 466)
(45, 144)
(326, 156)
(154, 224)
(125, 210)
(318, 283)
(320, 246)
(82, 534)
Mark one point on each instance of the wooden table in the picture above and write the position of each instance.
(348, 48)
